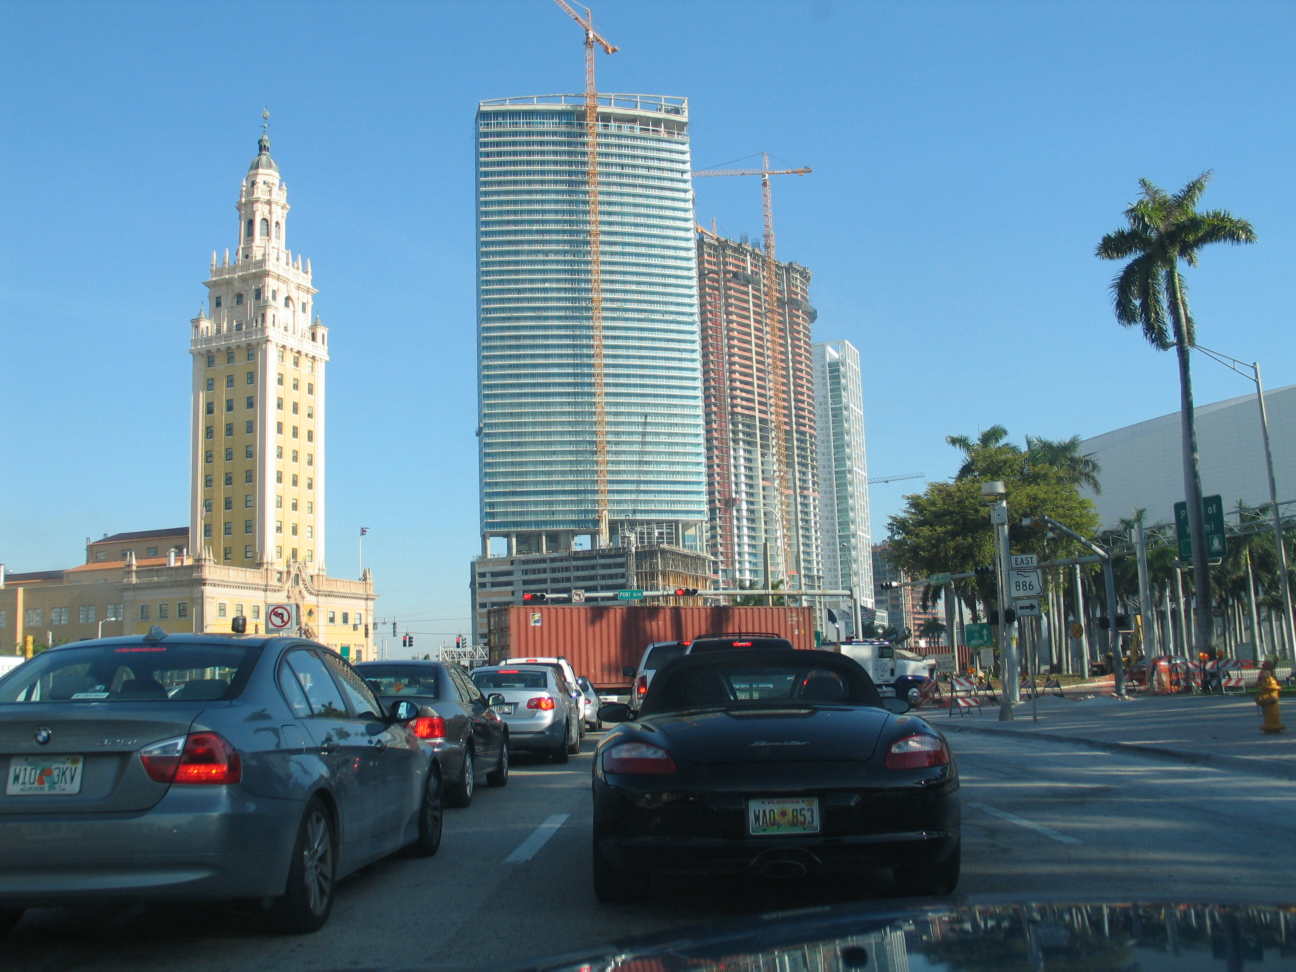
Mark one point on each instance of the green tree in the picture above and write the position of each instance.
(1149, 293)
(946, 527)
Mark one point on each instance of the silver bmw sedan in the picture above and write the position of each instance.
(200, 766)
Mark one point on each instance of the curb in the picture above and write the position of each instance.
(1256, 766)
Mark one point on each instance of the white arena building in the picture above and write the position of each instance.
(1142, 464)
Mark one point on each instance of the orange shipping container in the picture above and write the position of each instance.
(601, 640)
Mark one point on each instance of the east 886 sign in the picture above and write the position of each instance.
(1024, 583)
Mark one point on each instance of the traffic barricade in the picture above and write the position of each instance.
(1231, 678)
(964, 696)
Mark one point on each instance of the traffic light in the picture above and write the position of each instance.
(532, 596)
(239, 625)
(889, 585)
(458, 641)
(984, 572)
(393, 629)
(685, 591)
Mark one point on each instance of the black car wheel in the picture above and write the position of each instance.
(431, 817)
(612, 884)
(562, 753)
(308, 897)
(499, 775)
(8, 918)
(926, 877)
(461, 793)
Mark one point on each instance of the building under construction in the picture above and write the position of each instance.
(758, 384)
(589, 374)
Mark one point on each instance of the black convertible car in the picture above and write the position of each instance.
(772, 763)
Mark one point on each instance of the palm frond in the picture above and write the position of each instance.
(1123, 243)
(1152, 312)
(1186, 327)
(1220, 226)
(1185, 200)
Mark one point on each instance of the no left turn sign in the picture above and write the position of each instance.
(279, 617)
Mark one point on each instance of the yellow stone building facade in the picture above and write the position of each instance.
(256, 536)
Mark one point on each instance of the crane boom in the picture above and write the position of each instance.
(592, 37)
(698, 173)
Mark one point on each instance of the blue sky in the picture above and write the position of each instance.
(967, 157)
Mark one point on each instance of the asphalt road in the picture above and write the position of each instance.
(511, 883)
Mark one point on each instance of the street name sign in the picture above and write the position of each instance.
(1213, 525)
(937, 580)
(629, 595)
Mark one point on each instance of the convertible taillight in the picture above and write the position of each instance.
(917, 752)
(428, 727)
(200, 757)
(642, 758)
(641, 685)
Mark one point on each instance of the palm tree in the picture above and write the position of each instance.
(933, 630)
(983, 455)
(1064, 455)
(1149, 293)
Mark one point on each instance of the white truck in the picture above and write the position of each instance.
(895, 671)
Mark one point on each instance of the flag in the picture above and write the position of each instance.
(363, 531)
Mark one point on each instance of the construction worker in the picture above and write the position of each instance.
(1267, 692)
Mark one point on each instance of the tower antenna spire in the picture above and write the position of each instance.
(265, 121)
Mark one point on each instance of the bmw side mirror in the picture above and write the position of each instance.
(404, 711)
(896, 705)
(615, 712)
(495, 698)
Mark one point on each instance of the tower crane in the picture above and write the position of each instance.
(778, 404)
(593, 38)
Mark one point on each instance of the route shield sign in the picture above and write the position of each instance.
(1024, 583)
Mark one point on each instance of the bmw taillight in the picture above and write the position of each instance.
(641, 758)
(641, 685)
(200, 757)
(428, 727)
(917, 752)
(542, 702)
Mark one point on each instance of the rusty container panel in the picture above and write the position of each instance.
(601, 640)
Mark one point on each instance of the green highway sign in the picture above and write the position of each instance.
(1213, 517)
(977, 636)
(629, 595)
(936, 580)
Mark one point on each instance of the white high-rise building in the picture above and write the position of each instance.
(846, 534)
(259, 359)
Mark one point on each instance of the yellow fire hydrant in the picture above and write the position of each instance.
(1267, 692)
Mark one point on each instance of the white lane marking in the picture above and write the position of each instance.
(1028, 824)
(538, 838)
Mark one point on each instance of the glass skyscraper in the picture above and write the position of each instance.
(843, 471)
(536, 403)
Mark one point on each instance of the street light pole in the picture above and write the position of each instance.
(1236, 365)
(995, 493)
(1109, 583)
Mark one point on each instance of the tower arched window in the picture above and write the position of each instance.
(247, 235)
(278, 230)
(238, 300)
(288, 302)
(265, 228)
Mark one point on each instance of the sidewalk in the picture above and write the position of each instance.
(1214, 730)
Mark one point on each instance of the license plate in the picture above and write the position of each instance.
(776, 816)
(33, 775)
(506, 709)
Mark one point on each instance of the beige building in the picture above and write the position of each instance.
(256, 535)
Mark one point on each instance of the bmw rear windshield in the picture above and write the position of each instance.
(390, 680)
(133, 672)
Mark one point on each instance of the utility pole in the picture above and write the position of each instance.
(1146, 611)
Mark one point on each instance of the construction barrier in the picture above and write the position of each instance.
(964, 695)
